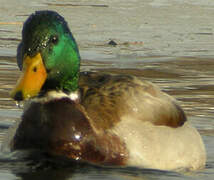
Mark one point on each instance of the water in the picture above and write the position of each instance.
(167, 42)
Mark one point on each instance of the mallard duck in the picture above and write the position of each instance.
(95, 117)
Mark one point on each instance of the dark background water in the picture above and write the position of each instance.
(170, 43)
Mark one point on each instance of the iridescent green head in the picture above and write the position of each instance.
(46, 42)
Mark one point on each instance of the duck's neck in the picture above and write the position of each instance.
(64, 65)
(66, 83)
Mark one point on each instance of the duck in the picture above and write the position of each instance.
(95, 117)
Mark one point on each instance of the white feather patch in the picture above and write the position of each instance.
(74, 96)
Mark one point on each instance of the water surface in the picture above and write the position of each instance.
(156, 41)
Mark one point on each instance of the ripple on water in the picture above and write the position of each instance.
(179, 77)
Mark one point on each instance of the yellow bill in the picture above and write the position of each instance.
(32, 79)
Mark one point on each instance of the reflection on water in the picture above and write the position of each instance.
(60, 169)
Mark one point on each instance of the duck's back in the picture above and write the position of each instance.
(151, 124)
(108, 98)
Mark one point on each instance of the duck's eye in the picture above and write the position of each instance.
(54, 39)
